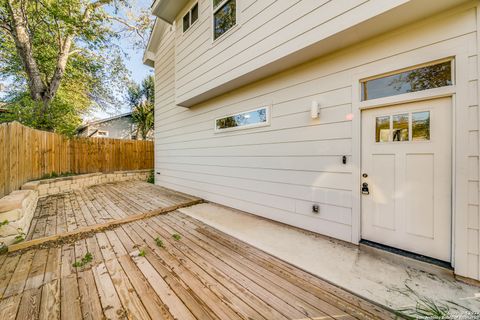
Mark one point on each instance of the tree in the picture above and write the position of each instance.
(142, 101)
(60, 50)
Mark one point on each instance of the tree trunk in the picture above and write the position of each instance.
(24, 49)
(60, 67)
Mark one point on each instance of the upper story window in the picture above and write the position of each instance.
(190, 17)
(254, 118)
(224, 16)
(417, 79)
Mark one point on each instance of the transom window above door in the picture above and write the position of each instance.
(435, 75)
(413, 126)
(224, 16)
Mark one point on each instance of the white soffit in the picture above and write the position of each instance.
(168, 10)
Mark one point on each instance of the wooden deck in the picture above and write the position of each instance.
(204, 274)
(67, 212)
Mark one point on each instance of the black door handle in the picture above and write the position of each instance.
(365, 188)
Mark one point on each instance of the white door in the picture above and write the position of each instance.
(406, 162)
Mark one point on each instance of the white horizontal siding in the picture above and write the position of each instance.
(280, 162)
(265, 32)
(231, 197)
(281, 170)
(304, 149)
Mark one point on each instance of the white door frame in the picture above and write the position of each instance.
(459, 97)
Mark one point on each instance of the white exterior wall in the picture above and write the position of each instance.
(266, 31)
(281, 170)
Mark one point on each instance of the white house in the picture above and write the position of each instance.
(117, 127)
(356, 119)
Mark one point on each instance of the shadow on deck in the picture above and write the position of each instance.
(167, 266)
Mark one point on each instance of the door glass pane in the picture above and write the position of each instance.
(382, 129)
(429, 77)
(400, 127)
(421, 126)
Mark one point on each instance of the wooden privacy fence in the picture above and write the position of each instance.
(28, 154)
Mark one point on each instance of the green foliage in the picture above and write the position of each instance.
(151, 177)
(4, 223)
(19, 238)
(176, 236)
(428, 308)
(141, 100)
(3, 248)
(142, 253)
(159, 242)
(84, 261)
(94, 75)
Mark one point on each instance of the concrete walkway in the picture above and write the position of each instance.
(383, 278)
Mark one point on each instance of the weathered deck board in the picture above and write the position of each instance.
(206, 274)
(70, 211)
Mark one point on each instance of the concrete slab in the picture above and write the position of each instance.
(384, 279)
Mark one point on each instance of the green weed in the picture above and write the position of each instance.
(19, 238)
(159, 242)
(151, 177)
(427, 308)
(84, 261)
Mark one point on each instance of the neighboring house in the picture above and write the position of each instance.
(117, 127)
(2, 105)
(355, 119)
(2, 108)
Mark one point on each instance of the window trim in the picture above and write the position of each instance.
(362, 81)
(248, 126)
(214, 10)
(104, 131)
(189, 13)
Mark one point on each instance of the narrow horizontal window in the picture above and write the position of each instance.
(257, 117)
(224, 16)
(423, 78)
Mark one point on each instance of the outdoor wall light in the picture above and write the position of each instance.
(315, 110)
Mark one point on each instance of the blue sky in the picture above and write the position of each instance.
(134, 62)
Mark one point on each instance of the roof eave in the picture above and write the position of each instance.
(153, 42)
(168, 10)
